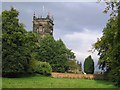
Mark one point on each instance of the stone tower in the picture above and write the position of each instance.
(43, 25)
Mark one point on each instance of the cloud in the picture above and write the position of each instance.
(74, 15)
(81, 43)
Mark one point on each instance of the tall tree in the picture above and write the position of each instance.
(89, 65)
(54, 52)
(15, 49)
(108, 45)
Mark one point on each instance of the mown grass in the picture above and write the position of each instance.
(39, 81)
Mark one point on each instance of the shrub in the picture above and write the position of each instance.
(89, 65)
(40, 67)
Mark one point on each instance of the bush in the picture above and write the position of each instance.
(89, 65)
(40, 67)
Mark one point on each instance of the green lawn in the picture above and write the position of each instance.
(49, 82)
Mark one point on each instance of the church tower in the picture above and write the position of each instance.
(43, 25)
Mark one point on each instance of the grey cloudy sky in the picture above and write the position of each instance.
(78, 24)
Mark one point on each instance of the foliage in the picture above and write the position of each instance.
(62, 56)
(55, 53)
(33, 44)
(115, 65)
(105, 44)
(46, 49)
(79, 66)
(15, 51)
(108, 45)
(89, 65)
(114, 75)
(73, 67)
(19, 46)
(112, 5)
(40, 67)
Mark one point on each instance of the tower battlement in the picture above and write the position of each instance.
(43, 25)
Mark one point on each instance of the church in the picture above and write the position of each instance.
(43, 25)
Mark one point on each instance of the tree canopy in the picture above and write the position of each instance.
(15, 51)
(54, 52)
(108, 46)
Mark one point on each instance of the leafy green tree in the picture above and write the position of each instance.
(54, 52)
(108, 45)
(105, 44)
(73, 66)
(89, 65)
(15, 47)
(63, 55)
(46, 50)
(32, 41)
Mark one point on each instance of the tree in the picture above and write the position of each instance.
(108, 46)
(89, 65)
(79, 66)
(63, 55)
(105, 44)
(54, 52)
(32, 42)
(73, 67)
(46, 49)
(15, 47)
